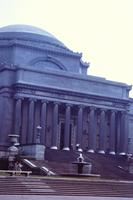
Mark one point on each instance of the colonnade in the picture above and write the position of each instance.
(118, 125)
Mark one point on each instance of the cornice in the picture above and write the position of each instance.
(6, 92)
(4, 66)
(84, 64)
(37, 45)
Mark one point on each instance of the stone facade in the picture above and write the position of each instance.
(43, 83)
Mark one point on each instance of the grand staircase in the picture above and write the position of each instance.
(112, 169)
(108, 166)
(64, 187)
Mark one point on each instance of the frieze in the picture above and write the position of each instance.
(25, 92)
(118, 105)
(115, 102)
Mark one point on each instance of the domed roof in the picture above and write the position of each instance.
(23, 31)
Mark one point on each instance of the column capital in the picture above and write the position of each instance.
(56, 103)
(113, 111)
(18, 98)
(32, 99)
(92, 108)
(103, 109)
(44, 101)
(123, 112)
(68, 105)
(81, 106)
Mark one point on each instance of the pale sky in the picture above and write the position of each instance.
(101, 29)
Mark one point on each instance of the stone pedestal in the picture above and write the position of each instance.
(87, 169)
(36, 151)
(82, 168)
(131, 168)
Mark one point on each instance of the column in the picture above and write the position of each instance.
(102, 139)
(80, 126)
(37, 123)
(92, 130)
(17, 123)
(118, 130)
(123, 133)
(112, 132)
(24, 122)
(43, 121)
(55, 125)
(31, 121)
(67, 127)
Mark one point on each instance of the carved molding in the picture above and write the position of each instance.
(120, 103)
(40, 44)
(4, 66)
(48, 59)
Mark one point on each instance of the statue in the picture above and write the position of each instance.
(80, 158)
(13, 150)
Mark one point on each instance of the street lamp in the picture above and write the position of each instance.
(38, 135)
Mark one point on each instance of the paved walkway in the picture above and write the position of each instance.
(31, 197)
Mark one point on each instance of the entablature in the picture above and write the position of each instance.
(70, 97)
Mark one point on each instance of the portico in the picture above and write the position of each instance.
(65, 127)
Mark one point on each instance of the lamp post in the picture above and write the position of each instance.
(38, 134)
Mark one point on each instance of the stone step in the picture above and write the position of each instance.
(32, 183)
(37, 186)
(47, 186)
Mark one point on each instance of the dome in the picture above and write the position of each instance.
(29, 32)
(25, 29)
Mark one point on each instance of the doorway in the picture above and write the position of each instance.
(62, 135)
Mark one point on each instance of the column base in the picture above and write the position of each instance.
(101, 151)
(80, 150)
(54, 147)
(112, 153)
(122, 154)
(66, 149)
(91, 151)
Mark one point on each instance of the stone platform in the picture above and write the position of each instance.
(81, 175)
(41, 197)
